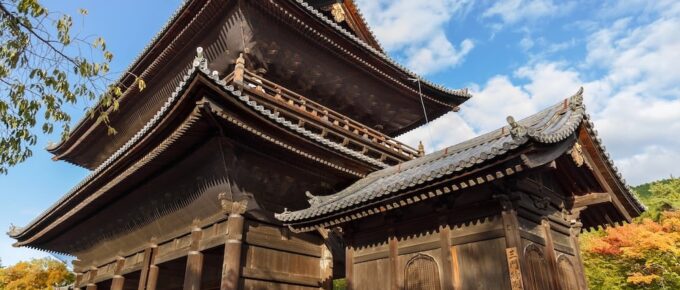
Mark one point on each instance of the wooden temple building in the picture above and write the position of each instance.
(262, 156)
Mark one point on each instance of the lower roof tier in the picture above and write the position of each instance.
(319, 151)
(562, 129)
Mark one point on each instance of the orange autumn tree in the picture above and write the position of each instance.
(644, 254)
(36, 274)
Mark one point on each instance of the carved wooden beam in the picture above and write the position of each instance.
(591, 199)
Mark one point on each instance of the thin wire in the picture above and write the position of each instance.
(422, 103)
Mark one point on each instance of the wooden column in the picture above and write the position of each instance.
(118, 279)
(147, 281)
(153, 278)
(349, 266)
(513, 241)
(194, 267)
(79, 279)
(326, 260)
(393, 260)
(447, 262)
(550, 255)
(457, 285)
(575, 229)
(90, 279)
(231, 270)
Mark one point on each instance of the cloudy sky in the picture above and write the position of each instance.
(516, 56)
(519, 56)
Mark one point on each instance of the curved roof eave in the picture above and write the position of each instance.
(56, 148)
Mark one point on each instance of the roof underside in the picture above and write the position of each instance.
(550, 126)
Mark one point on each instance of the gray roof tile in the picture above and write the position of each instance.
(551, 125)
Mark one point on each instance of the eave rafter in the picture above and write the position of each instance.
(589, 199)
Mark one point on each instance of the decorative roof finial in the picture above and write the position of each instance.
(517, 131)
(576, 101)
(239, 70)
(199, 52)
(13, 230)
(421, 148)
(199, 60)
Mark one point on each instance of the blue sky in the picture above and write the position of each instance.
(516, 56)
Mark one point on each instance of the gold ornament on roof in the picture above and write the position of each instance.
(338, 12)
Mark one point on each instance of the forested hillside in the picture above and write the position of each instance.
(644, 254)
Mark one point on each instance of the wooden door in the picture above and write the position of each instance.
(538, 270)
(567, 273)
(422, 273)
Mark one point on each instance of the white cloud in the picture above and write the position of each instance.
(437, 54)
(652, 163)
(415, 29)
(629, 72)
(513, 11)
(445, 131)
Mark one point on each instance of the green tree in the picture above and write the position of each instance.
(44, 66)
(36, 274)
(644, 254)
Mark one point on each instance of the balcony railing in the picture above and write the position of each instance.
(326, 122)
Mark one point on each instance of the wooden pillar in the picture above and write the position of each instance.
(231, 269)
(457, 285)
(78, 281)
(513, 242)
(194, 267)
(550, 254)
(326, 260)
(349, 266)
(146, 280)
(90, 279)
(118, 279)
(575, 230)
(393, 260)
(153, 278)
(447, 262)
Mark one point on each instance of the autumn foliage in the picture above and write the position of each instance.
(644, 254)
(37, 274)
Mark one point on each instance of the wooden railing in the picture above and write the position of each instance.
(363, 138)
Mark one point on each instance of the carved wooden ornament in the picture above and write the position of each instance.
(338, 12)
(230, 206)
(576, 153)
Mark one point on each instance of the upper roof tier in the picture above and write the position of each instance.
(320, 49)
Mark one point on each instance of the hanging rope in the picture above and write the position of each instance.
(422, 103)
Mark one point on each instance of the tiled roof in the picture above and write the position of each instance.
(551, 125)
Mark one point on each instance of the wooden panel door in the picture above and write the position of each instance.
(422, 273)
(538, 270)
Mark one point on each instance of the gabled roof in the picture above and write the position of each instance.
(550, 126)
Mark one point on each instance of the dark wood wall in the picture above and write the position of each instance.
(469, 242)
